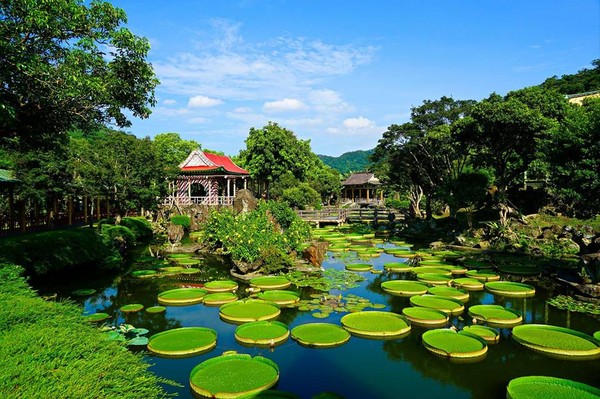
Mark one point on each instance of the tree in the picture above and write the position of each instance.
(583, 81)
(66, 64)
(171, 150)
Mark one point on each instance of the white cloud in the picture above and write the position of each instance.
(242, 110)
(358, 123)
(169, 101)
(287, 104)
(197, 120)
(203, 101)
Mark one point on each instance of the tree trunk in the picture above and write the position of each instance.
(415, 196)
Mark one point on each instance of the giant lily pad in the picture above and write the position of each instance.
(181, 296)
(359, 267)
(270, 333)
(557, 342)
(233, 376)
(270, 282)
(483, 275)
(219, 298)
(496, 315)
(96, 317)
(156, 309)
(131, 308)
(449, 292)
(431, 269)
(434, 278)
(447, 305)
(144, 273)
(187, 261)
(425, 316)
(455, 346)
(404, 287)
(533, 387)
(220, 286)
(83, 292)
(249, 310)
(280, 297)
(320, 335)
(182, 342)
(376, 324)
(468, 283)
(510, 289)
(490, 335)
(397, 267)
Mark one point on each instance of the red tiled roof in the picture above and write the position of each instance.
(221, 163)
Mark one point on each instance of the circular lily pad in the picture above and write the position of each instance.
(397, 267)
(431, 269)
(270, 282)
(96, 317)
(447, 305)
(320, 335)
(270, 333)
(425, 316)
(510, 289)
(187, 261)
(249, 310)
(558, 342)
(468, 283)
(483, 275)
(156, 309)
(133, 307)
(144, 273)
(359, 267)
(434, 279)
(376, 324)
(190, 270)
(219, 298)
(404, 287)
(449, 292)
(454, 346)
(220, 286)
(180, 342)
(496, 315)
(531, 387)
(171, 269)
(181, 296)
(280, 297)
(233, 376)
(597, 335)
(490, 335)
(179, 256)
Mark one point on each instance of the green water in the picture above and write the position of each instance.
(362, 368)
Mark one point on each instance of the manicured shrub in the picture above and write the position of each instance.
(181, 220)
(139, 226)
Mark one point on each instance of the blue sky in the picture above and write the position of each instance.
(339, 72)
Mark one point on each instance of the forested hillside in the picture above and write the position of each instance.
(583, 81)
(353, 161)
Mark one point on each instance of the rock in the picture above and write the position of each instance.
(569, 246)
(483, 244)
(547, 234)
(315, 253)
(175, 233)
(244, 201)
(460, 240)
(246, 267)
(592, 266)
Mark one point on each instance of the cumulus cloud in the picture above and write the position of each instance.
(358, 123)
(203, 101)
(287, 104)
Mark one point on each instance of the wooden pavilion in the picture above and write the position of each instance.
(206, 179)
(362, 188)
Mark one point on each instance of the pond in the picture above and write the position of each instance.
(360, 368)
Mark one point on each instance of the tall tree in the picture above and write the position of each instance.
(171, 150)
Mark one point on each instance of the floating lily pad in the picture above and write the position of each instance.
(83, 292)
(571, 304)
(270, 333)
(187, 261)
(220, 286)
(434, 279)
(270, 282)
(468, 283)
(425, 316)
(249, 310)
(490, 335)
(376, 324)
(131, 308)
(272, 394)
(320, 335)
(233, 376)
(431, 269)
(476, 264)
(179, 256)
(510, 289)
(447, 305)
(181, 296)
(455, 346)
(280, 297)
(533, 387)
(144, 273)
(397, 267)
(171, 269)
(483, 275)
(156, 309)
(96, 317)
(359, 267)
(449, 292)
(404, 287)
(558, 342)
(219, 298)
(597, 335)
(181, 342)
(496, 315)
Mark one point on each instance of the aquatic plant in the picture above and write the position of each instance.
(182, 342)
(530, 387)
(127, 334)
(425, 316)
(571, 304)
(265, 333)
(359, 267)
(320, 335)
(181, 296)
(404, 287)
(496, 315)
(280, 297)
(220, 286)
(510, 289)
(468, 283)
(454, 345)
(326, 280)
(219, 298)
(376, 324)
(270, 282)
(449, 292)
(490, 335)
(249, 310)
(483, 275)
(131, 308)
(156, 309)
(447, 305)
(96, 317)
(560, 342)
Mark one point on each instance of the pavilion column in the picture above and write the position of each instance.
(245, 180)
(228, 190)
(352, 194)
(368, 190)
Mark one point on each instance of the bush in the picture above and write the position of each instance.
(118, 236)
(302, 196)
(280, 211)
(40, 358)
(181, 220)
(397, 203)
(139, 226)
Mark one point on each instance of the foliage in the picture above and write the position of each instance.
(171, 150)
(119, 237)
(55, 368)
(583, 81)
(282, 213)
(139, 226)
(326, 280)
(397, 203)
(348, 162)
(127, 334)
(302, 196)
(181, 220)
(572, 305)
(53, 251)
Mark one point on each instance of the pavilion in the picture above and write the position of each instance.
(206, 179)
(362, 188)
